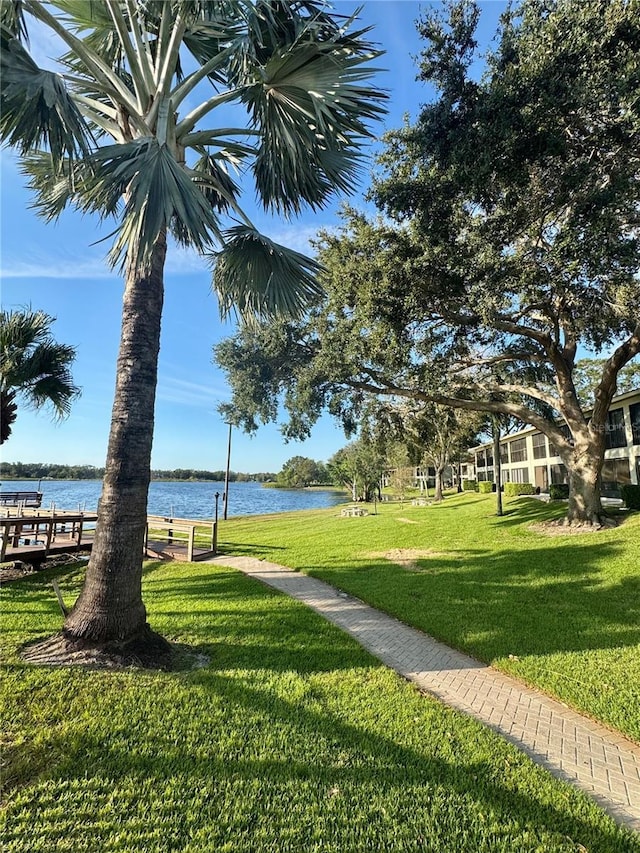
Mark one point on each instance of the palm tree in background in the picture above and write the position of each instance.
(125, 128)
(33, 367)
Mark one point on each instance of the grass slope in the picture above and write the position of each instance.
(561, 613)
(291, 738)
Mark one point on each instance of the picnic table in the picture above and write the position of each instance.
(353, 511)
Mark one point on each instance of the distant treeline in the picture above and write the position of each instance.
(40, 470)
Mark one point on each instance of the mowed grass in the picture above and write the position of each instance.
(290, 737)
(561, 613)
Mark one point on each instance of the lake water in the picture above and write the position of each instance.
(185, 499)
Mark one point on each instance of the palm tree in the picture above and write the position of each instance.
(33, 367)
(128, 131)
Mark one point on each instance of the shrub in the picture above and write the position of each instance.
(485, 487)
(630, 495)
(559, 491)
(469, 486)
(512, 490)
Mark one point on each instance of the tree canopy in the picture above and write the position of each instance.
(301, 471)
(510, 239)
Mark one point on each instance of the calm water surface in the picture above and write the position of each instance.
(184, 499)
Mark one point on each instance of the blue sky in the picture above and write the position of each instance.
(56, 268)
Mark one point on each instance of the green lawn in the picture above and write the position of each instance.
(290, 738)
(561, 613)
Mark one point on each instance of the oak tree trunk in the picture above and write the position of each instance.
(110, 608)
(585, 506)
(497, 465)
(584, 467)
(438, 496)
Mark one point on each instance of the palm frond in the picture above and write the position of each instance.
(218, 187)
(54, 188)
(159, 195)
(212, 27)
(311, 99)
(35, 107)
(50, 379)
(12, 17)
(91, 19)
(263, 279)
(33, 365)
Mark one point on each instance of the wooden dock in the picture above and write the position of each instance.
(32, 535)
(170, 538)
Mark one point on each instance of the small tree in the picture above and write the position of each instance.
(33, 367)
(298, 472)
(437, 432)
(359, 467)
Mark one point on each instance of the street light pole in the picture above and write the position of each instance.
(226, 478)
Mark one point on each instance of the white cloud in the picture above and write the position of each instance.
(296, 237)
(187, 393)
(39, 265)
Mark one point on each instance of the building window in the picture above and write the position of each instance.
(559, 474)
(506, 477)
(481, 459)
(634, 413)
(541, 476)
(615, 435)
(519, 475)
(539, 445)
(615, 472)
(518, 451)
(504, 452)
(482, 476)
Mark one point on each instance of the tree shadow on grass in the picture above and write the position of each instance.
(537, 601)
(245, 549)
(237, 622)
(161, 733)
(445, 788)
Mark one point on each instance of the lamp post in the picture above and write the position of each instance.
(225, 497)
(215, 526)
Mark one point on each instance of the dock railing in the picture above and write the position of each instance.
(37, 533)
(181, 533)
(21, 499)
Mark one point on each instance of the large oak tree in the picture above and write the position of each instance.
(511, 240)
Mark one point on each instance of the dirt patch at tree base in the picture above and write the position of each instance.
(150, 652)
(562, 527)
(406, 558)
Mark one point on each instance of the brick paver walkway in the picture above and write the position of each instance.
(604, 764)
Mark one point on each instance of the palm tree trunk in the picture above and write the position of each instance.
(110, 610)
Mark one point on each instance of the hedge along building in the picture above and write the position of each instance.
(528, 456)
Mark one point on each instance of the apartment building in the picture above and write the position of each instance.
(528, 457)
